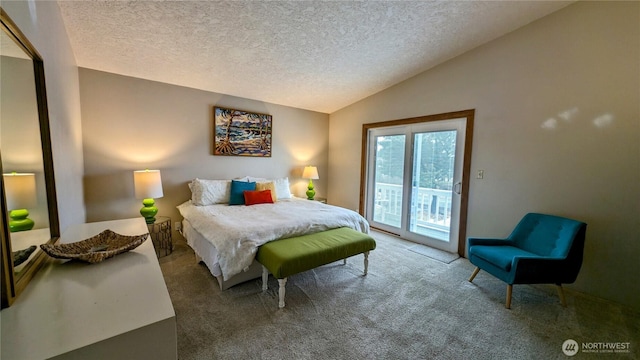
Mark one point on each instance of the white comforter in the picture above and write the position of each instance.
(237, 231)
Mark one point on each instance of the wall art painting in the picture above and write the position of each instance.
(241, 133)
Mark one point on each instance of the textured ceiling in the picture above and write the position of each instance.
(316, 55)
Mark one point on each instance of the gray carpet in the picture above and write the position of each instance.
(408, 307)
(443, 256)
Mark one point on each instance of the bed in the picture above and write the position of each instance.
(226, 235)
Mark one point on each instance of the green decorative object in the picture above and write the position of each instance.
(20, 220)
(20, 190)
(310, 172)
(149, 210)
(148, 185)
(311, 192)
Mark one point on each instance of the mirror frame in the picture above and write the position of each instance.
(12, 285)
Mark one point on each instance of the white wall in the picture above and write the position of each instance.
(132, 124)
(41, 22)
(556, 131)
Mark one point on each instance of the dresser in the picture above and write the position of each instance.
(116, 309)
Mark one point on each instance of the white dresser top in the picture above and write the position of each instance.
(69, 305)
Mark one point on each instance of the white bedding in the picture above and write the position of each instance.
(236, 232)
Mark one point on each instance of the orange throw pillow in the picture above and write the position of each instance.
(258, 197)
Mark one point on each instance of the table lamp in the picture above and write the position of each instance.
(148, 186)
(311, 173)
(20, 189)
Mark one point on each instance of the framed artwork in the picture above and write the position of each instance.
(241, 133)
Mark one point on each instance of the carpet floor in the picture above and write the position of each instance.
(409, 306)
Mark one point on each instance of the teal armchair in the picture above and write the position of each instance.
(542, 249)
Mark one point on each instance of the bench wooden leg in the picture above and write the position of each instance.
(265, 278)
(509, 290)
(366, 262)
(281, 291)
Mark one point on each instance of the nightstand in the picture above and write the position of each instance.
(160, 232)
(322, 200)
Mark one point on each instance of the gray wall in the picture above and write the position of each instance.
(41, 22)
(132, 124)
(556, 131)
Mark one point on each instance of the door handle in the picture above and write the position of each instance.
(457, 188)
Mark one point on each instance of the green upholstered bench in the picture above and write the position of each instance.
(286, 257)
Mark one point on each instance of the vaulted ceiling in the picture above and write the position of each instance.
(315, 55)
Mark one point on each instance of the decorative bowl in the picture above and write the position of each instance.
(95, 249)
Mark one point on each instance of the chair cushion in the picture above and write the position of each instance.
(500, 256)
(545, 235)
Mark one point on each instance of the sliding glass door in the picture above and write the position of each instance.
(414, 180)
(388, 178)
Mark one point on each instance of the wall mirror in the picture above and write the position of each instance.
(29, 206)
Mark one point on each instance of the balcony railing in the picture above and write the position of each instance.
(430, 211)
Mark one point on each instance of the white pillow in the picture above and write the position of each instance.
(282, 188)
(209, 192)
(282, 185)
(252, 179)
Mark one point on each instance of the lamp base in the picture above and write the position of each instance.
(20, 221)
(149, 211)
(311, 192)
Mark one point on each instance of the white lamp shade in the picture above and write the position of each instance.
(20, 189)
(310, 172)
(148, 184)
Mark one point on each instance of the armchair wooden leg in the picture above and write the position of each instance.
(561, 294)
(509, 289)
(475, 272)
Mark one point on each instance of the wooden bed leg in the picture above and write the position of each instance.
(344, 261)
(265, 278)
(561, 294)
(281, 291)
(509, 289)
(366, 263)
(475, 272)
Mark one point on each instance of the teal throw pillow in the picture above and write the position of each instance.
(237, 191)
